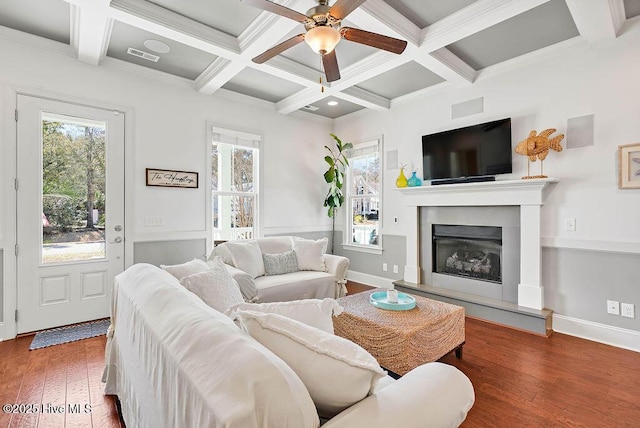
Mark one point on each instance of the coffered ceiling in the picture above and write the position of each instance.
(211, 43)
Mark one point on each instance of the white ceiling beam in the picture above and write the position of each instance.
(264, 32)
(149, 17)
(449, 66)
(300, 99)
(476, 17)
(367, 68)
(597, 20)
(268, 29)
(371, 66)
(290, 70)
(90, 30)
(378, 14)
(219, 72)
(364, 98)
(371, 15)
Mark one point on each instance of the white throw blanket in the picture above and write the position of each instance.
(175, 362)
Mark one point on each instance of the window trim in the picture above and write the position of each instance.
(257, 139)
(364, 248)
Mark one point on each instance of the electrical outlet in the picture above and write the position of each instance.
(613, 307)
(384, 267)
(628, 310)
(395, 268)
(570, 224)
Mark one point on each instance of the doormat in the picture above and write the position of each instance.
(57, 336)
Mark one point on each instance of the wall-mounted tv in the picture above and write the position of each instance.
(482, 150)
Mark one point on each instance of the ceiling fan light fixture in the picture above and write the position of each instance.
(322, 39)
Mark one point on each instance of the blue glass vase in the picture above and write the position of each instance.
(414, 180)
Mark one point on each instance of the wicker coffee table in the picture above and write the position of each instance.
(402, 340)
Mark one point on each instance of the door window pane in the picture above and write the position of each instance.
(73, 189)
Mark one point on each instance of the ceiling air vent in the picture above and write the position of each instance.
(143, 54)
(310, 108)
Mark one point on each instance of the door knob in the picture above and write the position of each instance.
(118, 228)
(117, 240)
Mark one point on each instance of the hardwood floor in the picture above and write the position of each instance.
(520, 380)
(60, 375)
(525, 380)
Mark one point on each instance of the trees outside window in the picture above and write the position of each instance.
(363, 195)
(73, 175)
(234, 185)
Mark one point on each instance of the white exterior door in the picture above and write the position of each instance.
(70, 211)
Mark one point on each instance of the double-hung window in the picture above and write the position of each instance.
(364, 178)
(234, 184)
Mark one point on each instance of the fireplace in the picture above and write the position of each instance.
(481, 203)
(468, 251)
(474, 250)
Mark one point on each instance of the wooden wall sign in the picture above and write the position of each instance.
(170, 178)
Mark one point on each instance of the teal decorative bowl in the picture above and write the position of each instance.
(405, 301)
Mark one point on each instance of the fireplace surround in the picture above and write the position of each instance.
(527, 195)
(471, 232)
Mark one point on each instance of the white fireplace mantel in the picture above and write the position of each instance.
(529, 195)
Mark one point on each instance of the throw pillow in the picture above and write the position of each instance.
(215, 287)
(245, 281)
(337, 372)
(221, 250)
(279, 264)
(186, 269)
(316, 313)
(246, 256)
(310, 254)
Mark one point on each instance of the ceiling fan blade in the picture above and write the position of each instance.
(342, 8)
(375, 40)
(330, 65)
(277, 9)
(278, 49)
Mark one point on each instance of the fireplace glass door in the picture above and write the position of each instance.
(468, 251)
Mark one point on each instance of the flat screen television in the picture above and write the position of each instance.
(482, 150)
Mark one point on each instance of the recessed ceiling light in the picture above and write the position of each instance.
(157, 46)
(332, 103)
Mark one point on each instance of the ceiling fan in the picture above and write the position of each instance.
(323, 33)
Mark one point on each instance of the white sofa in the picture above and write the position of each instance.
(303, 284)
(173, 361)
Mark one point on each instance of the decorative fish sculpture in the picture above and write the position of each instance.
(537, 146)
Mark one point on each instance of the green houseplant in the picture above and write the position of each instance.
(334, 176)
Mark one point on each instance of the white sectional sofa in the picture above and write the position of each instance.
(173, 361)
(246, 265)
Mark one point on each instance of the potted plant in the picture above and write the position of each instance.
(334, 176)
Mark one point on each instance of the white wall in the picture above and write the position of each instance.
(166, 128)
(600, 80)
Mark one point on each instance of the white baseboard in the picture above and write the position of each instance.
(602, 333)
(372, 280)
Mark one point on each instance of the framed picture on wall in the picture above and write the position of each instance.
(170, 178)
(629, 166)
